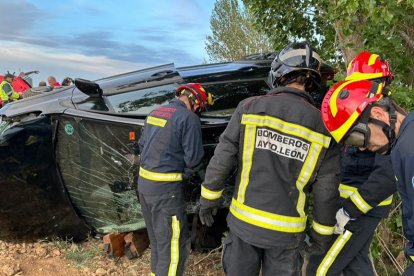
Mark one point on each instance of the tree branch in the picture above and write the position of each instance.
(407, 39)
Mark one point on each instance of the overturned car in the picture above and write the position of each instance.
(69, 157)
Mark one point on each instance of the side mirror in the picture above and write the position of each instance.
(90, 88)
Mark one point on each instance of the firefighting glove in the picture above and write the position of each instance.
(342, 218)
(188, 174)
(206, 215)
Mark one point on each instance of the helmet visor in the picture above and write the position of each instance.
(301, 58)
(358, 136)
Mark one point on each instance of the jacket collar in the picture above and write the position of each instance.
(178, 102)
(292, 91)
(405, 122)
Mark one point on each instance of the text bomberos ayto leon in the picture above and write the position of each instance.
(281, 144)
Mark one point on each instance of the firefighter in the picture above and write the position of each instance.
(366, 188)
(7, 92)
(282, 152)
(171, 149)
(363, 114)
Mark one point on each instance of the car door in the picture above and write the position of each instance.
(96, 146)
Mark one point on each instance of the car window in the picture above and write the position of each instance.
(98, 166)
(95, 104)
(228, 95)
(143, 101)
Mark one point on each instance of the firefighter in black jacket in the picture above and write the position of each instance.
(171, 148)
(283, 153)
(367, 188)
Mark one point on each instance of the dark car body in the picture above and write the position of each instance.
(69, 157)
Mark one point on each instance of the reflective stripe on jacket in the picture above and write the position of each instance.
(368, 183)
(170, 142)
(282, 151)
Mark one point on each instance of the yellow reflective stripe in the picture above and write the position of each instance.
(323, 229)
(160, 176)
(267, 220)
(412, 258)
(387, 201)
(305, 174)
(317, 140)
(333, 253)
(357, 76)
(372, 59)
(156, 121)
(248, 148)
(152, 274)
(360, 203)
(289, 128)
(346, 190)
(175, 246)
(209, 194)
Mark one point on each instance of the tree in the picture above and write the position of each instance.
(234, 35)
(341, 28)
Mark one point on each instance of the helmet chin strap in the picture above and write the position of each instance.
(193, 109)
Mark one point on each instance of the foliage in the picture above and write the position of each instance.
(387, 248)
(342, 28)
(234, 35)
(403, 95)
(79, 254)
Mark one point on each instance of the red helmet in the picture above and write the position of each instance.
(367, 66)
(345, 102)
(198, 94)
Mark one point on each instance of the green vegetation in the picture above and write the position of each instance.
(80, 254)
(234, 35)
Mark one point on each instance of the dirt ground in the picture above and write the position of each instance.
(61, 258)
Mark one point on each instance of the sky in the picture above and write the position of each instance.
(92, 39)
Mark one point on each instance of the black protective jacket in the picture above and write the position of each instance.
(368, 183)
(282, 152)
(170, 143)
(402, 156)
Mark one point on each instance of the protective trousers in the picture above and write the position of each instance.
(166, 221)
(349, 253)
(240, 258)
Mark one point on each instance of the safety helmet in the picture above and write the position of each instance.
(343, 107)
(196, 94)
(367, 66)
(295, 58)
